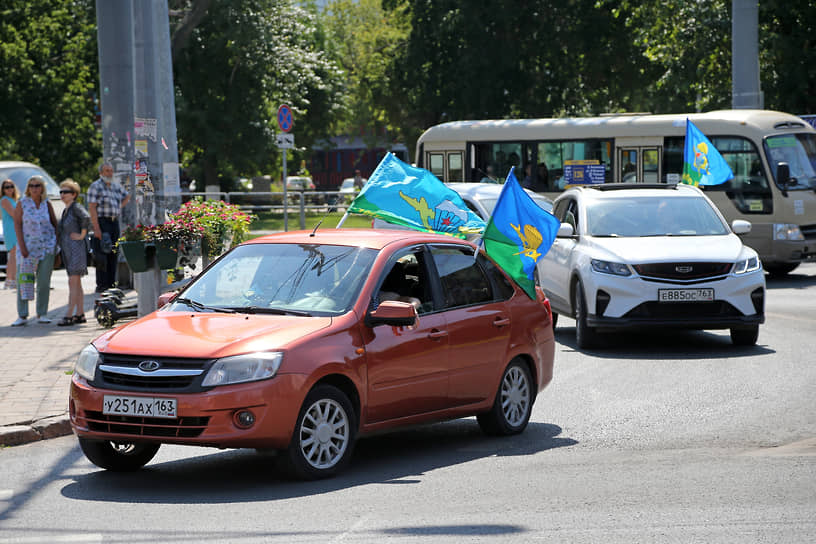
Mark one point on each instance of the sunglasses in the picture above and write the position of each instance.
(66, 192)
(8, 186)
(35, 185)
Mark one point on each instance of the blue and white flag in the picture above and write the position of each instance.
(702, 163)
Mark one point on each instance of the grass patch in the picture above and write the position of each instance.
(274, 221)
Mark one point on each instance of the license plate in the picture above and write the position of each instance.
(139, 406)
(685, 295)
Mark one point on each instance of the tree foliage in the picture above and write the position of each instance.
(239, 63)
(48, 73)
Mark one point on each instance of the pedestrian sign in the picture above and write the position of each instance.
(285, 120)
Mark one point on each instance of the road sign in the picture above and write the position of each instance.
(285, 141)
(285, 120)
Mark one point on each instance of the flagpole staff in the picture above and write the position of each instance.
(342, 220)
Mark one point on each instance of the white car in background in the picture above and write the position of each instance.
(638, 256)
(19, 173)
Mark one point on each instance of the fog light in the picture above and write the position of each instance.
(244, 419)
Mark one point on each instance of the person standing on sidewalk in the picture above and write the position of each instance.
(8, 201)
(35, 227)
(105, 202)
(71, 231)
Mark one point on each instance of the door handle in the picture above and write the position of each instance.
(435, 334)
(501, 321)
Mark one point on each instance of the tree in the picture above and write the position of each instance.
(49, 71)
(236, 66)
(365, 39)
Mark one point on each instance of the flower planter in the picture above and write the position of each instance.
(136, 254)
(167, 254)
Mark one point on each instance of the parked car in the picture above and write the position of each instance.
(299, 183)
(638, 256)
(19, 173)
(347, 187)
(303, 341)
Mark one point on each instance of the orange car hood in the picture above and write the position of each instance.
(208, 335)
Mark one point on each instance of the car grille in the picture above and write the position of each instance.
(683, 310)
(183, 427)
(174, 374)
(683, 272)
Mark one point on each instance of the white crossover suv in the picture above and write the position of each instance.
(635, 256)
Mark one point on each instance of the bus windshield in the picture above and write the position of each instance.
(799, 151)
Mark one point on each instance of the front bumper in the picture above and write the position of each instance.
(625, 302)
(205, 419)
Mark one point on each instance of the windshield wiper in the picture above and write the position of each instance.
(194, 304)
(273, 311)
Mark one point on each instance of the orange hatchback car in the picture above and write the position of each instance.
(303, 341)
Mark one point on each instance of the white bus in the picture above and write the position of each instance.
(779, 202)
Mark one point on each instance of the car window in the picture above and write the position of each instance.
(653, 216)
(406, 280)
(20, 175)
(503, 289)
(463, 280)
(313, 278)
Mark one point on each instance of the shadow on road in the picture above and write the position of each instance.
(234, 476)
(790, 281)
(663, 345)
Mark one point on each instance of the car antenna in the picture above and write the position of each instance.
(316, 227)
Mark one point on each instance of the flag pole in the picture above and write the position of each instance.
(342, 220)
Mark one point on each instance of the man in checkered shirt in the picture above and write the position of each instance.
(105, 202)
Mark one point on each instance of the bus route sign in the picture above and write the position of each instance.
(583, 172)
(285, 120)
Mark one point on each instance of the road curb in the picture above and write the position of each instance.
(41, 429)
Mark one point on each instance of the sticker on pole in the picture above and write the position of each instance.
(285, 120)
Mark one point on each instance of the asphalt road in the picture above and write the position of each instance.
(676, 437)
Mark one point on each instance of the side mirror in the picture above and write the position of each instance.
(393, 313)
(165, 298)
(565, 230)
(783, 174)
(741, 226)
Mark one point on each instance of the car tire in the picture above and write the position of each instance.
(554, 320)
(513, 403)
(585, 336)
(780, 269)
(118, 456)
(745, 336)
(324, 435)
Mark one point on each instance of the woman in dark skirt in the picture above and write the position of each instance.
(71, 232)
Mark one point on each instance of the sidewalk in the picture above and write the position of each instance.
(36, 362)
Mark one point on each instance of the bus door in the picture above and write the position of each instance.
(446, 165)
(638, 160)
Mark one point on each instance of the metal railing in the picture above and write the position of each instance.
(298, 202)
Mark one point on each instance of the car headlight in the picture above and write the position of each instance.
(249, 367)
(606, 267)
(747, 265)
(785, 231)
(86, 362)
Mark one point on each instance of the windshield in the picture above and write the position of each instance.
(20, 175)
(301, 279)
(651, 216)
(799, 151)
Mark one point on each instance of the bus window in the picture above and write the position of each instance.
(436, 164)
(651, 165)
(748, 190)
(500, 156)
(628, 165)
(557, 153)
(455, 171)
(799, 151)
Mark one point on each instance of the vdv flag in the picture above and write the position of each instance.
(519, 233)
(415, 198)
(702, 163)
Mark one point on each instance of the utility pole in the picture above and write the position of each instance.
(137, 98)
(745, 89)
